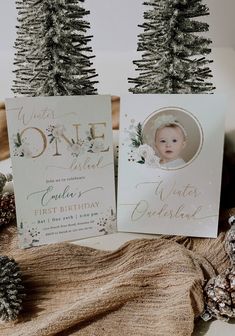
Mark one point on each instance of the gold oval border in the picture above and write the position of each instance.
(198, 124)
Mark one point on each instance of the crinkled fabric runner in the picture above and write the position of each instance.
(146, 287)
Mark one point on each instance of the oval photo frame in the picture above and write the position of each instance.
(192, 126)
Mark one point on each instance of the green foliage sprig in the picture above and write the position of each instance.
(137, 140)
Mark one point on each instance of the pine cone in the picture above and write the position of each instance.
(3, 180)
(7, 208)
(220, 296)
(11, 289)
(220, 291)
(230, 244)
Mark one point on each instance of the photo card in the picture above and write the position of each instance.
(170, 164)
(62, 160)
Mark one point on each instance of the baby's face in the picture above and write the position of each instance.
(169, 142)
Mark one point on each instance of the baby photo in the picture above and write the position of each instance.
(162, 139)
(167, 131)
(169, 168)
(170, 140)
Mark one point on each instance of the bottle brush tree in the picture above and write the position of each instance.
(174, 52)
(53, 56)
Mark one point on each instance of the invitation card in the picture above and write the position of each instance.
(62, 160)
(170, 164)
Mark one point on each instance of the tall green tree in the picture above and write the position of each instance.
(174, 52)
(53, 56)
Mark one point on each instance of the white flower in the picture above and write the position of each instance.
(164, 120)
(86, 145)
(58, 131)
(145, 151)
(76, 149)
(167, 120)
(152, 162)
(79, 147)
(110, 228)
(150, 158)
(14, 139)
(17, 151)
(25, 150)
(26, 237)
(97, 145)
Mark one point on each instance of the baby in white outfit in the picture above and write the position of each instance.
(170, 140)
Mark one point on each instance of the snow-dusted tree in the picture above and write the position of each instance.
(52, 52)
(174, 54)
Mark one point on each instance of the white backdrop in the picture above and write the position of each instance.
(114, 26)
(114, 23)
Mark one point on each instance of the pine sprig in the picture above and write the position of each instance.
(18, 141)
(137, 140)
